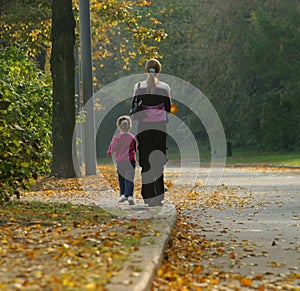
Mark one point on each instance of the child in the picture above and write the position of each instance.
(124, 145)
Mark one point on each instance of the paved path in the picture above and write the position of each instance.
(257, 216)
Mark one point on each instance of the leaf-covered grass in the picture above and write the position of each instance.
(62, 246)
(51, 213)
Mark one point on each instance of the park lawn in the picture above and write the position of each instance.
(247, 157)
(62, 246)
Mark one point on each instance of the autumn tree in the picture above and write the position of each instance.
(124, 35)
(29, 22)
(63, 74)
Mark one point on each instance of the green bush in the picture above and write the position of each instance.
(25, 121)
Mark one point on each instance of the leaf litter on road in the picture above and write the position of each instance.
(195, 262)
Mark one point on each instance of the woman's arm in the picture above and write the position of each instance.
(167, 99)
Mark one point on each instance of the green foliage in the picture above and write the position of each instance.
(25, 121)
(27, 22)
(244, 56)
(206, 47)
(274, 48)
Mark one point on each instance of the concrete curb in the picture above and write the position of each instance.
(140, 270)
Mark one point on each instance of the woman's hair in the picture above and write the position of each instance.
(153, 68)
(124, 123)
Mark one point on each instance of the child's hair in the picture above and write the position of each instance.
(124, 123)
(153, 68)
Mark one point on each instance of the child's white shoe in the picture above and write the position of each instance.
(123, 198)
(130, 200)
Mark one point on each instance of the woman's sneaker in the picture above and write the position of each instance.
(130, 200)
(123, 198)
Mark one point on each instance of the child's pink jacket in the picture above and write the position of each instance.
(124, 145)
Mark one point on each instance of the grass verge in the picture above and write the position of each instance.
(264, 158)
(61, 246)
(247, 157)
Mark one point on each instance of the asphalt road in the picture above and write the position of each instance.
(255, 214)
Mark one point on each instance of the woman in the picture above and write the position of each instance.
(156, 102)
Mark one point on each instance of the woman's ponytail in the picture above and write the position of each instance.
(153, 68)
(151, 82)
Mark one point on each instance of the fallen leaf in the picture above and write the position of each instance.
(232, 255)
(246, 282)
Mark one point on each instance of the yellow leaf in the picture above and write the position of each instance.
(160, 272)
(38, 274)
(4, 240)
(90, 286)
(66, 281)
(198, 270)
(214, 281)
(245, 282)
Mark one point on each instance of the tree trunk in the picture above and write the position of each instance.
(63, 74)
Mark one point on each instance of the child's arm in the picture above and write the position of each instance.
(111, 148)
